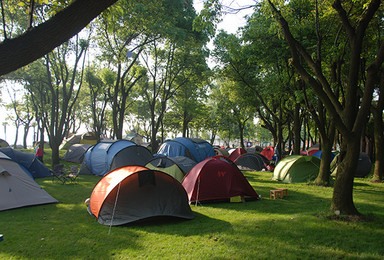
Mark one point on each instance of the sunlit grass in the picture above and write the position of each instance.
(292, 228)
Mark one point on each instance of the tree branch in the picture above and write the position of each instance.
(35, 43)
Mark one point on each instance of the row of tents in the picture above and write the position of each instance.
(106, 156)
(133, 193)
(137, 185)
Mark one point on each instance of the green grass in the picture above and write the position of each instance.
(293, 228)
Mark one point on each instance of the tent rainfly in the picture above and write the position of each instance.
(107, 156)
(134, 193)
(29, 161)
(297, 168)
(217, 178)
(194, 148)
(251, 162)
(17, 188)
(76, 152)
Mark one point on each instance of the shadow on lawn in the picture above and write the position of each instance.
(308, 238)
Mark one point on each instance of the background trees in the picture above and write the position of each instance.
(303, 68)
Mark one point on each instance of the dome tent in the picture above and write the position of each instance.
(3, 143)
(268, 152)
(29, 161)
(237, 153)
(251, 162)
(134, 193)
(17, 188)
(104, 156)
(84, 138)
(131, 155)
(194, 148)
(297, 168)
(217, 178)
(76, 152)
(172, 166)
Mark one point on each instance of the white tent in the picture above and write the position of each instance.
(17, 188)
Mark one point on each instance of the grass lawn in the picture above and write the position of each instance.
(292, 228)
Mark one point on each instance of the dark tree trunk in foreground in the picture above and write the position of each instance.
(377, 110)
(38, 41)
(342, 199)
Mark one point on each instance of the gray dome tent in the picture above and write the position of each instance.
(76, 152)
(17, 188)
(250, 162)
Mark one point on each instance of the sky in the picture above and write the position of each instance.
(230, 23)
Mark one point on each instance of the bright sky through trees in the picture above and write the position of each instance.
(230, 23)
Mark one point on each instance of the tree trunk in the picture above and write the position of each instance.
(326, 158)
(296, 129)
(342, 200)
(26, 130)
(378, 172)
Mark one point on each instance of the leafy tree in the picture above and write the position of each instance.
(350, 117)
(98, 82)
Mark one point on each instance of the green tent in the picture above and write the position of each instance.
(297, 168)
(166, 165)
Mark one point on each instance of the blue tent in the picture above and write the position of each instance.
(28, 161)
(319, 153)
(101, 157)
(194, 148)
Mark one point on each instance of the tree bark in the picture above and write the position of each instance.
(38, 41)
(296, 129)
(342, 199)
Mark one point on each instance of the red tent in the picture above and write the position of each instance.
(236, 153)
(217, 178)
(268, 152)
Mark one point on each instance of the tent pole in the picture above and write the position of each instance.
(198, 189)
(114, 208)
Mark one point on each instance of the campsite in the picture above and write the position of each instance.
(262, 229)
(192, 129)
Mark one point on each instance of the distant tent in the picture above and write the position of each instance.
(311, 150)
(220, 151)
(84, 138)
(167, 165)
(186, 164)
(3, 143)
(230, 150)
(251, 150)
(29, 161)
(217, 178)
(194, 148)
(319, 153)
(17, 188)
(297, 168)
(236, 153)
(268, 152)
(258, 148)
(364, 166)
(134, 193)
(131, 155)
(177, 166)
(76, 152)
(105, 156)
(250, 162)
